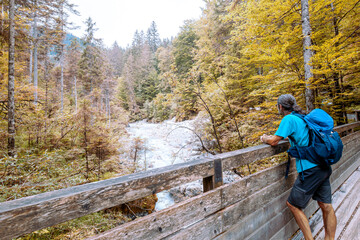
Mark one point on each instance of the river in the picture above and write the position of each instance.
(167, 143)
(163, 144)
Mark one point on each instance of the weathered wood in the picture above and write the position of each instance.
(344, 171)
(341, 174)
(346, 208)
(167, 221)
(291, 227)
(245, 186)
(350, 137)
(28, 214)
(346, 127)
(216, 180)
(352, 231)
(208, 183)
(209, 228)
(259, 199)
(272, 226)
(238, 211)
(249, 155)
(255, 220)
(218, 173)
(316, 221)
(344, 161)
(357, 115)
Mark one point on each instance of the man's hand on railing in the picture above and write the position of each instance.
(272, 140)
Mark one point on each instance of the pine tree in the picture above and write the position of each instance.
(153, 38)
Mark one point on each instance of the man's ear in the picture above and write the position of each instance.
(281, 107)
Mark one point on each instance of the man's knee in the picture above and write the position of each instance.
(327, 207)
(292, 207)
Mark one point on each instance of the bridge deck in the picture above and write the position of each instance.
(346, 202)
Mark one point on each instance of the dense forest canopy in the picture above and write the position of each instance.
(65, 100)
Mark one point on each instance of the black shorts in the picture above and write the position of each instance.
(315, 185)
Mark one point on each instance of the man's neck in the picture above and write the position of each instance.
(286, 113)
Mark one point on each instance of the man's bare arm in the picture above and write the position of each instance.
(272, 140)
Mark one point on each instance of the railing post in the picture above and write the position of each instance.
(216, 180)
(357, 115)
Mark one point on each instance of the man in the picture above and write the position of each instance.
(313, 180)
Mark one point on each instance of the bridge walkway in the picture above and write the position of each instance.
(346, 203)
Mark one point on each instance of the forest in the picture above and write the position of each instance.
(65, 100)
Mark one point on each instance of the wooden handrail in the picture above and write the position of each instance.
(33, 213)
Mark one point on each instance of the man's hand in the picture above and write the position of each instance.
(272, 140)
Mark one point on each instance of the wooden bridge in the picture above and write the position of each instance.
(250, 208)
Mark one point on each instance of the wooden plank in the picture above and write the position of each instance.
(209, 228)
(291, 227)
(249, 155)
(346, 127)
(351, 137)
(240, 210)
(167, 221)
(208, 184)
(350, 150)
(273, 225)
(346, 208)
(258, 200)
(36, 212)
(29, 214)
(253, 183)
(342, 174)
(352, 231)
(255, 220)
(344, 163)
(246, 186)
(316, 221)
(216, 180)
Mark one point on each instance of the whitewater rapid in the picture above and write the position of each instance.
(164, 144)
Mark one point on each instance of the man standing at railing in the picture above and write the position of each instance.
(313, 181)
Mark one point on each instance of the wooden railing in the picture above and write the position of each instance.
(253, 207)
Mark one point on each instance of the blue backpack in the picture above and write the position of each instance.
(325, 145)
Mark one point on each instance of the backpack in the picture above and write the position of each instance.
(325, 145)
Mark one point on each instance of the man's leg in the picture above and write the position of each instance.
(301, 220)
(329, 218)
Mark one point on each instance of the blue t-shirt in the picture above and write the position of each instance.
(296, 129)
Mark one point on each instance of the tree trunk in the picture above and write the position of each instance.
(62, 80)
(308, 53)
(35, 59)
(2, 16)
(46, 79)
(75, 93)
(32, 34)
(11, 83)
(231, 114)
(108, 106)
(62, 57)
(340, 114)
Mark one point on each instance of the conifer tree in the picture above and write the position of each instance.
(153, 38)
